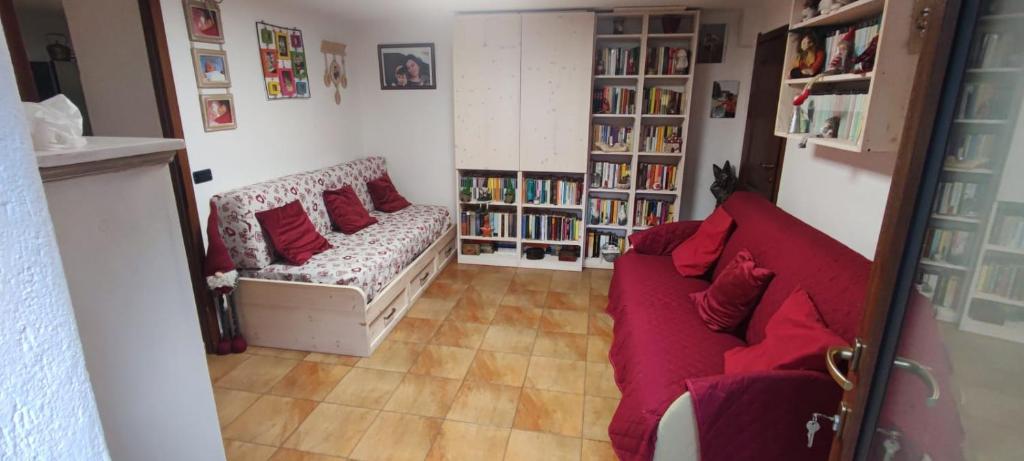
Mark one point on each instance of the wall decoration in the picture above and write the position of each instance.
(211, 68)
(218, 112)
(204, 24)
(724, 96)
(408, 66)
(711, 45)
(335, 73)
(283, 61)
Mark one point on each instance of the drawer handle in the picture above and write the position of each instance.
(391, 314)
(424, 278)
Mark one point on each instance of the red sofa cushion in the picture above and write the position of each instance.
(698, 253)
(662, 239)
(732, 296)
(796, 339)
(385, 196)
(291, 233)
(346, 211)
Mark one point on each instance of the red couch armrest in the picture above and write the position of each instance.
(662, 239)
(763, 415)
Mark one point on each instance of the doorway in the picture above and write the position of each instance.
(761, 163)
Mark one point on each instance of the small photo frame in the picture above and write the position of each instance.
(204, 22)
(282, 45)
(218, 112)
(711, 48)
(287, 78)
(211, 68)
(301, 88)
(270, 61)
(299, 64)
(724, 98)
(273, 88)
(407, 66)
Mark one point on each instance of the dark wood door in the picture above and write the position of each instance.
(761, 164)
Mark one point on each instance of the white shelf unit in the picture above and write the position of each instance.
(643, 29)
(1007, 312)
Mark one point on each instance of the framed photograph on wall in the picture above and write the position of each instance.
(283, 61)
(211, 68)
(218, 112)
(724, 98)
(407, 66)
(711, 45)
(204, 23)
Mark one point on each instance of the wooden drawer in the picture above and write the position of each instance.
(420, 281)
(445, 253)
(376, 309)
(389, 316)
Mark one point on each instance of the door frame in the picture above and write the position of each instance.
(745, 150)
(19, 56)
(899, 237)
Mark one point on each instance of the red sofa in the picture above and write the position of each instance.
(662, 349)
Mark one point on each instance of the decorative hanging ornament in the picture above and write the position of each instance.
(335, 73)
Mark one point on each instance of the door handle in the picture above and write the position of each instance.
(849, 354)
(768, 166)
(922, 372)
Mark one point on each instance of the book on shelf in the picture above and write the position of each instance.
(942, 289)
(1004, 280)
(563, 227)
(502, 224)
(597, 239)
(971, 150)
(864, 31)
(617, 61)
(1008, 232)
(662, 138)
(838, 115)
(663, 101)
(614, 100)
(652, 212)
(617, 137)
(609, 212)
(552, 191)
(609, 175)
(946, 245)
(668, 60)
(956, 198)
(656, 176)
(995, 49)
(491, 188)
(984, 101)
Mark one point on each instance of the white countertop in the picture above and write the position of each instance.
(105, 148)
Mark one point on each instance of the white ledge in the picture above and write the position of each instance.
(98, 148)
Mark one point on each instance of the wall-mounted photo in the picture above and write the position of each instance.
(724, 97)
(408, 66)
(218, 112)
(283, 61)
(211, 68)
(268, 57)
(282, 45)
(204, 22)
(711, 49)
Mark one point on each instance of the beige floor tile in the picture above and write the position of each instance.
(430, 308)
(423, 396)
(566, 346)
(601, 325)
(492, 280)
(274, 352)
(598, 303)
(231, 403)
(241, 451)
(575, 301)
(597, 348)
(367, 388)
(594, 450)
(569, 282)
(468, 442)
(561, 321)
(444, 290)
(392, 356)
(532, 279)
(601, 381)
(485, 403)
(473, 312)
(509, 339)
(269, 421)
(258, 374)
(524, 297)
(331, 430)
(414, 330)
(455, 274)
(517, 316)
(444, 362)
(556, 374)
(599, 284)
(287, 454)
(310, 380)
(333, 359)
(498, 368)
(397, 437)
(597, 415)
(460, 334)
(549, 411)
(220, 365)
(535, 446)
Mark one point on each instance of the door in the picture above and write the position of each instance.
(761, 164)
(938, 373)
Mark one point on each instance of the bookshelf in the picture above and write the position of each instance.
(639, 119)
(995, 305)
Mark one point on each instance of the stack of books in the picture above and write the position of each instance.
(1008, 232)
(972, 150)
(946, 245)
(552, 227)
(865, 31)
(667, 60)
(652, 212)
(813, 117)
(663, 101)
(655, 176)
(609, 175)
(1002, 279)
(662, 139)
(503, 224)
(608, 212)
(495, 186)
(552, 191)
(597, 239)
(943, 289)
(984, 101)
(614, 100)
(614, 135)
(992, 50)
(956, 198)
(617, 61)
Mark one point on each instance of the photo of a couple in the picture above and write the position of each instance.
(406, 66)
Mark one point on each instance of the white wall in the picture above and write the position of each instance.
(48, 409)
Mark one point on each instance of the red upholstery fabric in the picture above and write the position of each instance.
(346, 211)
(697, 254)
(291, 233)
(662, 239)
(385, 196)
(796, 339)
(731, 297)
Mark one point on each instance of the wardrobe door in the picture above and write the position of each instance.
(558, 49)
(486, 70)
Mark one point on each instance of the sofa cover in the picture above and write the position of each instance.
(662, 349)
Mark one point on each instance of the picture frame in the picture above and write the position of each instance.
(270, 62)
(282, 44)
(407, 66)
(711, 48)
(204, 22)
(283, 62)
(219, 112)
(287, 79)
(725, 96)
(211, 67)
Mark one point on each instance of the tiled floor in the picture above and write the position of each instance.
(490, 364)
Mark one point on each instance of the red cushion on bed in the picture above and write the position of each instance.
(695, 256)
(732, 296)
(662, 239)
(291, 233)
(346, 211)
(385, 196)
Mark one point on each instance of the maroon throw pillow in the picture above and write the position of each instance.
(698, 253)
(796, 338)
(662, 239)
(384, 195)
(292, 233)
(732, 296)
(346, 211)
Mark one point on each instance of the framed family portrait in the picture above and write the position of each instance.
(211, 68)
(407, 66)
(204, 22)
(218, 112)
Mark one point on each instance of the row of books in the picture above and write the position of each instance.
(946, 245)
(662, 138)
(552, 191)
(614, 135)
(609, 175)
(838, 116)
(489, 188)
(668, 60)
(655, 176)
(502, 224)
(971, 150)
(956, 198)
(862, 35)
(1001, 279)
(663, 101)
(943, 289)
(994, 49)
(1008, 231)
(984, 101)
(609, 212)
(618, 61)
(598, 239)
(614, 100)
(552, 227)
(652, 212)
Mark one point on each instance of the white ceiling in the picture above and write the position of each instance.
(378, 9)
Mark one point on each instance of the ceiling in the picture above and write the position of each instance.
(379, 9)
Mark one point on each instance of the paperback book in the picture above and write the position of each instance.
(552, 191)
(614, 100)
(609, 175)
(662, 138)
(561, 227)
(656, 176)
(608, 212)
